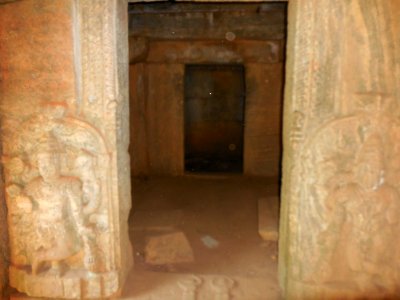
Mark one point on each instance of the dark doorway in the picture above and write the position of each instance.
(214, 118)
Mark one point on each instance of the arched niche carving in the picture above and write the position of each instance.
(58, 191)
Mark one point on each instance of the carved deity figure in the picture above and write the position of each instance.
(56, 212)
(363, 231)
(60, 209)
(90, 184)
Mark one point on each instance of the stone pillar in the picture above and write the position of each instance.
(65, 135)
(341, 182)
(4, 249)
(4, 243)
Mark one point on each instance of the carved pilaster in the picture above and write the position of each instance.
(65, 161)
(341, 193)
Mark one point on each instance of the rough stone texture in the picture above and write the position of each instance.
(339, 227)
(206, 51)
(157, 119)
(165, 115)
(172, 286)
(263, 118)
(169, 248)
(4, 249)
(120, 64)
(208, 21)
(35, 67)
(138, 119)
(64, 87)
(219, 1)
(268, 218)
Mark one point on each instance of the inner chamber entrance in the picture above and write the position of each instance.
(214, 118)
(206, 83)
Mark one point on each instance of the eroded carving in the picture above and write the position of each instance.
(349, 233)
(68, 205)
(58, 195)
(365, 216)
(222, 287)
(54, 202)
(189, 287)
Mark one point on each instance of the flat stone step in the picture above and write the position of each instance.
(170, 248)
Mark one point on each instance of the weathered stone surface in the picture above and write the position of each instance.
(219, 1)
(208, 21)
(208, 51)
(66, 168)
(171, 248)
(138, 49)
(164, 118)
(138, 120)
(35, 67)
(263, 118)
(4, 249)
(268, 218)
(172, 286)
(339, 228)
(157, 119)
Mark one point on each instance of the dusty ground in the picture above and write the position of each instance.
(218, 215)
(210, 223)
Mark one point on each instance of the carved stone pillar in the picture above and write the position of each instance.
(65, 135)
(341, 195)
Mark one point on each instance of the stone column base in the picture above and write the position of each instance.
(76, 284)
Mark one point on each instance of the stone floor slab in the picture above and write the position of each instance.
(171, 248)
(268, 218)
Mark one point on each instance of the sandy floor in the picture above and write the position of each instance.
(218, 217)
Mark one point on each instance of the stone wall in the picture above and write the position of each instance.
(163, 38)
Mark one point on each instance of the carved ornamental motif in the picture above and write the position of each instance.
(340, 193)
(348, 238)
(66, 166)
(58, 195)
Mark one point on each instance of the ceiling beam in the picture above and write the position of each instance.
(209, 1)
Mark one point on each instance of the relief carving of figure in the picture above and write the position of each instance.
(348, 235)
(56, 212)
(364, 217)
(57, 172)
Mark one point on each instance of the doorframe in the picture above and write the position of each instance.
(288, 83)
